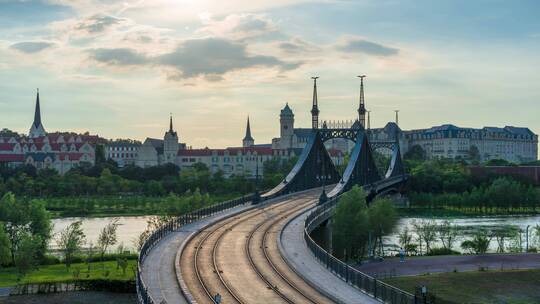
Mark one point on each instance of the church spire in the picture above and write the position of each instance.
(36, 129)
(362, 105)
(315, 107)
(248, 141)
(37, 113)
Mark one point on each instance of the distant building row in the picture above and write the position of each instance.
(60, 151)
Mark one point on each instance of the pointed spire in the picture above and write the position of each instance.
(248, 141)
(315, 108)
(37, 113)
(170, 123)
(362, 105)
(248, 131)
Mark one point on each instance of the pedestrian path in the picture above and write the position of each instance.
(434, 264)
(296, 253)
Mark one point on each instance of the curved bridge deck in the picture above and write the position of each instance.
(159, 271)
(239, 258)
(299, 257)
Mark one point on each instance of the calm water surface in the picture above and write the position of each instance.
(131, 226)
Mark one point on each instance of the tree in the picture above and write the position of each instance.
(473, 154)
(351, 223)
(447, 233)
(26, 253)
(502, 233)
(426, 231)
(70, 241)
(107, 238)
(416, 153)
(479, 243)
(382, 220)
(23, 217)
(405, 239)
(4, 246)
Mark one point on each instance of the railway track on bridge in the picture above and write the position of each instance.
(239, 258)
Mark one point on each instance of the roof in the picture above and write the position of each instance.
(287, 111)
(518, 130)
(230, 151)
(69, 156)
(154, 142)
(40, 156)
(303, 132)
(7, 147)
(11, 158)
(392, 128)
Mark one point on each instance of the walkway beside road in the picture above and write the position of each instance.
(433, 264)
(295, 251)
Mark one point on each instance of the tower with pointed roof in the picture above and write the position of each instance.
(170, 144)
(248, 141)
(37, 129)
(362, 105)
(286, 121)
(315, 106)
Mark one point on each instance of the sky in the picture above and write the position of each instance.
(120, 68)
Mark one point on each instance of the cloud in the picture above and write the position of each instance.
(297, 45)
(98, 23)
(119, 56)
(211, 57)
(208, 57)
(356, 45)
(30, 47)
(238, 26)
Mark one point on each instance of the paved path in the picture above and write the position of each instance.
(295, 251)
(159, 266)
(422, 265)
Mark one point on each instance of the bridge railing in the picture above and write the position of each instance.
(370, 285)
(172, 225)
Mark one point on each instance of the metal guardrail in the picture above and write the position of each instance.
(376, 288)
(174, 224)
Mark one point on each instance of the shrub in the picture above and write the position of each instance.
(442, 251)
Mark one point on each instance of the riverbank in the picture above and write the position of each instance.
(515, 286)
(454, 212)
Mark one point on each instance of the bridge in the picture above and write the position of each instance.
(237, 249)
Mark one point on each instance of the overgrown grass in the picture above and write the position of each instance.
(59, 273)
(516, 286)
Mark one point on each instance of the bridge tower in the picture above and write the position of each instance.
(315, 107)
(362, 105)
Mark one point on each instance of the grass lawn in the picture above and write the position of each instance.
(513, 287)
(59, 272)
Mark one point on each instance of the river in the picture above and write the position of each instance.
(130, 227)
(467, 225)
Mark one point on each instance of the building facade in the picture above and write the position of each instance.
(61, 151)
(514, 144)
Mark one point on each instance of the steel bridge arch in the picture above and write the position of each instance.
(315, 168)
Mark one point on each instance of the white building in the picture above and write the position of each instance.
(514, 144)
